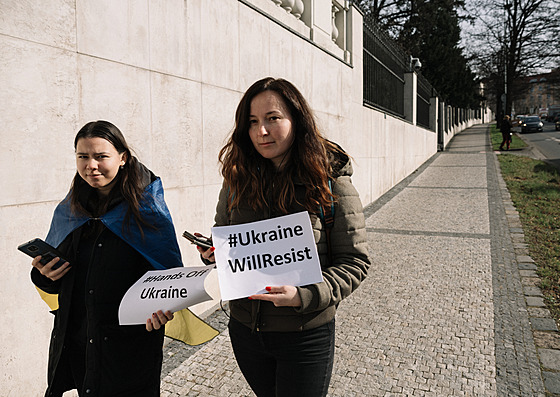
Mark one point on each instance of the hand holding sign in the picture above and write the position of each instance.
(163, 290)
(275, 252)
(158, 320)
(284, 295)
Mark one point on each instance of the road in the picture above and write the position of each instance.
(546, 142)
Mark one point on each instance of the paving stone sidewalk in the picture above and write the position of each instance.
(451, 306)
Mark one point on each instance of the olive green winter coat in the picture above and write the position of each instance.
(341, 278)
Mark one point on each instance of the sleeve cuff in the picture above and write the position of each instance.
(309, 299)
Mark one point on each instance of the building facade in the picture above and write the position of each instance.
(539, 94)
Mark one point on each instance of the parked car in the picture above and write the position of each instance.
(532, 123)
(518, 120)
(557, 125)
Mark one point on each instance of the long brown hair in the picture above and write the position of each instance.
(128, 181)
(254, 180)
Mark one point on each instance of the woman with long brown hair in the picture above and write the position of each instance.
(275, 163)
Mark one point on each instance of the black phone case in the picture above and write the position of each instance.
(201, 242)
(38, 247)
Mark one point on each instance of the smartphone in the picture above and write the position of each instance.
(198, 240)
(38, 247)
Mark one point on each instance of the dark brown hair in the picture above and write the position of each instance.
(254, 180)
(128, 181)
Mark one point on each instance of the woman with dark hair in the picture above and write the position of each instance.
(112, 227)
(275, 163)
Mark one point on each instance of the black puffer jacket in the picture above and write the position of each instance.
(120, 360)
(349, 252)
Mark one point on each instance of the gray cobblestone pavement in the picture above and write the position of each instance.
(451, 306)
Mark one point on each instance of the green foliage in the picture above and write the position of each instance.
(432, 33)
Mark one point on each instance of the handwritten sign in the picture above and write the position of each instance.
(171, 289)
(273, 252)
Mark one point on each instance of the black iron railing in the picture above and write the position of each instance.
(384, 68)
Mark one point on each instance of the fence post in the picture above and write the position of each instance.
(410, 99)
(434, 121)
(454, 118)
(449, 116)
(434, 113)
(441, 118)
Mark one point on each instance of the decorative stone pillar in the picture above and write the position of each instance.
(335, 32)
(297, 9)
(434, 113)
(410, 96)
(288, 5)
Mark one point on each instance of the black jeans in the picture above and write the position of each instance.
(285, 364)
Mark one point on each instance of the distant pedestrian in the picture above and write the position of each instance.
(275, 163)
(506, 132)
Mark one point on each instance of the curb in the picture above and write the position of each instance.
(545, 331)
(535, 153)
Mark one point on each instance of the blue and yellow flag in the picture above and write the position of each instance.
(158, 245)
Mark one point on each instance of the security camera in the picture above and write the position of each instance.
(415, 64)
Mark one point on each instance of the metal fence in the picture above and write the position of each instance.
(384, 67)
(424, 92)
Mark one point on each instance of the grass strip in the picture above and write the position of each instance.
(534, 187)
(496, 137)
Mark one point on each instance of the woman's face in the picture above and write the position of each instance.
(98, 162)
(271, 127)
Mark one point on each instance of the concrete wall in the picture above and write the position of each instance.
(169, 73)
(446, 115)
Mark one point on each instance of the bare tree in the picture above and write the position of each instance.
(389, 15)
(392, 15)
(511, 39)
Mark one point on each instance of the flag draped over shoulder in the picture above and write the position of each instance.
(158, 245)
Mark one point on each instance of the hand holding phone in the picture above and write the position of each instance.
(38, 247)
(198, 240)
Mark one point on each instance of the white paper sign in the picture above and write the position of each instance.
(171, 289)
(274, 252)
